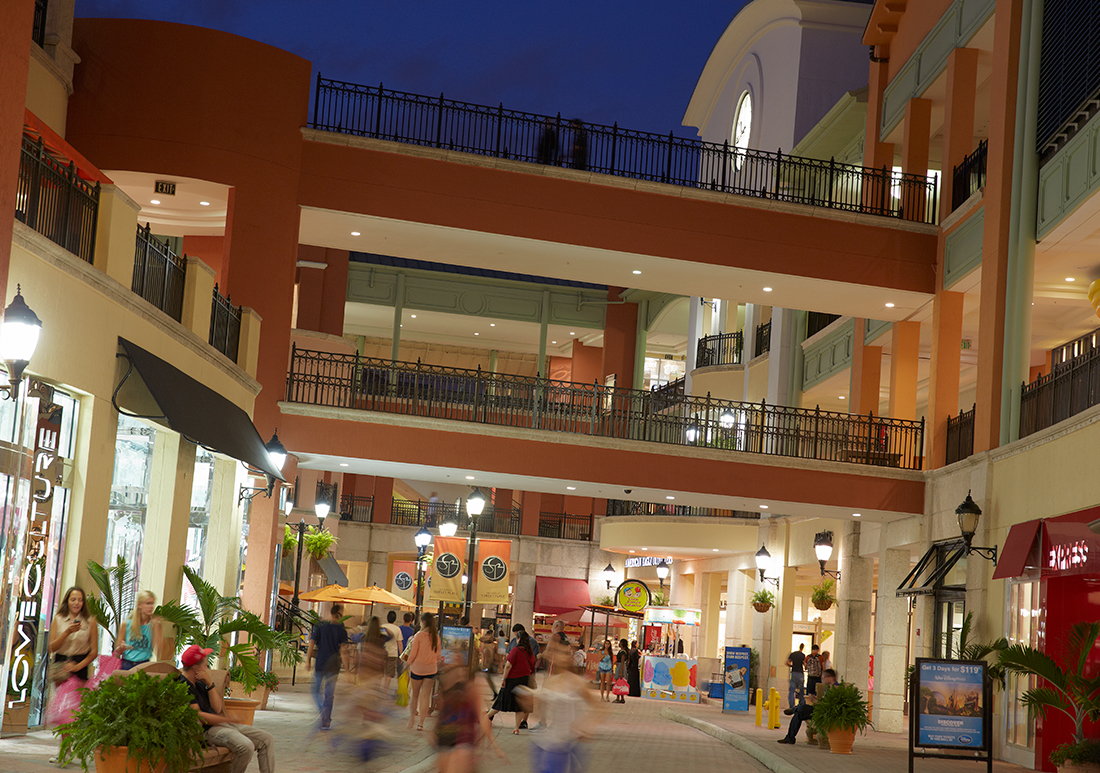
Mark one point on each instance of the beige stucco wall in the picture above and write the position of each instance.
(47, 92)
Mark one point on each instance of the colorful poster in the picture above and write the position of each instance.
(454, 644)
(670, 679)
(493, 575)
(735, 696)
(951, 710)
(403, 581)
(447, 568)
(632, 595)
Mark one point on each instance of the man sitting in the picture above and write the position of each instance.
(803, 711)
(244, 741)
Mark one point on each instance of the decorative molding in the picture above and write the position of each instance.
(955, 29)
(962, 252)
(827, 355)
(873, 328)
(1070, 177)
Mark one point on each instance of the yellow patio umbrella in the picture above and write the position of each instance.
(328, 593)
(375, 595)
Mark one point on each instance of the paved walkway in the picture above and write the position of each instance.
(873, 751)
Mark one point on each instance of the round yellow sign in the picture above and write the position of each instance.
(632, 595)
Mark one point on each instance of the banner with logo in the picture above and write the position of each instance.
(493, 576)
(403, 581)
(447, 569)
(632, 595)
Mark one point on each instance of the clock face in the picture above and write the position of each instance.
(742, 126)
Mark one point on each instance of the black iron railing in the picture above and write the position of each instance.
(627, 507)
(565, 526)
(668, 394)
(38, 26)
(763, 338)
(493, 520)
(1078, 347)
(158, 274)
(225, 325)
(1070, 387)
(816, 321)
(52, 199)
(356, 508)
(350, 381)
(960, 435)
(969, 176)
(721, 349)
(370, 111)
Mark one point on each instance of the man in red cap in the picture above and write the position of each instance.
(243, 740)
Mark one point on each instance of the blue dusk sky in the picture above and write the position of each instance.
(631, 62)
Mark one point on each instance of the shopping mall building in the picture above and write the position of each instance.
(858, 298)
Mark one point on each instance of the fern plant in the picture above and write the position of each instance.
(151, 716)
(842, 707)
(290, 540)
(116, 593)
(763, 597)
(217, 619)
(318, 542)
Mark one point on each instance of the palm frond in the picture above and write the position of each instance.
(1025, 660)
(116, 592)
(1040, 699)
(188, 627)
(1082, 638)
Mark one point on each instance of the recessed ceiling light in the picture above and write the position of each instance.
(414, 316)
(343, 464)
(572, 333)
(763, 507)
(856, 515)
(636, 271)
(204, 203)
(553, 342)
(469, 477)
(645, 548)
(571, 488)
(631, 551)
(354, 233)
(767, 289)
(1070, 279)
(842, 397)
(668, 497)
(154, 201)
(715, 549)
(477, 334)
(889, 305)
(492, 324)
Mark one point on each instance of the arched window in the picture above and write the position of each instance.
(742, 127)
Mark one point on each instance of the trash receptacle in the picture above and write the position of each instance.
(715, 686)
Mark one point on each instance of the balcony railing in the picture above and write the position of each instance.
(493, 520)
(627, 507)
(349, 381)
(355, 508)
(225, 325)
(764, 338)
(969, 176)
(158, 274)
(397, 116)
(668, 395)
(38, 26)
(564, 526)
(1070, 387)
(816, 321)
(53, 200)
(722, 349)
(960, 436)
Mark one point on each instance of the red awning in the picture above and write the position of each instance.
(556, 595)
(1019, 544)
(1069, 548)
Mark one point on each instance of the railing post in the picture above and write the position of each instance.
(614, 145)
(439, 122)
(378, 112)
(500, 127)
(870, 433)
(356, 380)
(920, 443)
(66, 208)
(290, 376)
(477, 391)
(832, 179)
(763, 422)
(316, 97)
(885, 195)
(668, 164)
(817, 427)
(725, 163)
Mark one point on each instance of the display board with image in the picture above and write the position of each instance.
(951, 708)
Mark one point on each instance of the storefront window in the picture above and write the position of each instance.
(201, 497)
(1023, 628)
(129, 493)
(659, 372)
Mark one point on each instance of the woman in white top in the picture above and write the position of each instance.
(73, 634)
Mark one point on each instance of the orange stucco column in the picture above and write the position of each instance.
(16, 17)
(998, 211)
(958, 119)
(620, 329)
(334, 292)
(382, 510)
(915, 152)
(904, 358)
(876, 154)
(322, 288)
(529, 513)
(943, 380)
(866, 373)
(265, 536)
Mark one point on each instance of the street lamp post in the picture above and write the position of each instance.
(475, 504)
(321, 507)
(423, 538)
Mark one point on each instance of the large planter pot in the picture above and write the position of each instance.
(241, 710)
(236, 690)
(761, 607)
(112, 759)
(1078, 767)
(841, 740)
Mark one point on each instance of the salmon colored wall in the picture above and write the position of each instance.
(915, 24)
(619, 331)
(587, 362)
(210, 250)
(561, 368)
(429, 190)
(16, 18)
(568, 461)
(322, 291)
(245, 104)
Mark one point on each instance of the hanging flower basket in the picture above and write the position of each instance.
(823, 605)
(761, 607)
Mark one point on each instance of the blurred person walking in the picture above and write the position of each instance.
(329, 642)
(393, 640)
(518, 667)
(622, 660)
(461, 722)
(423, 658)
(562, 709)
(633, 671)
(73, 634)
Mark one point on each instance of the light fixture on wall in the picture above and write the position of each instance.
(968, 514)
(765, 565)
(823, 547)
(18, 339)
(608, 575)
(276, 452)
(662, 573)
(727, 419)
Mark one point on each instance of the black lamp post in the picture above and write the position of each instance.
(764, 564)
(322, 510)
(423, 538)
(475, 504)
(968, 514)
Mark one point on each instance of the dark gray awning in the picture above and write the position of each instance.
(334, 575)
(192, 409)
(926, 575)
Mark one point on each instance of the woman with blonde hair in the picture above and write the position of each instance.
(138, 638)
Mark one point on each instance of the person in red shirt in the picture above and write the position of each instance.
(518, 668)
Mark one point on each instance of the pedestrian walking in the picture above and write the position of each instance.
(622, 660)
(329, 643)
(461, 722)
(633, 671)
(423, 657)
(518, 667)
(797, 676)
(604, 669)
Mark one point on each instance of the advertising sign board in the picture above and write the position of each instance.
(735, 678)
(951, 709)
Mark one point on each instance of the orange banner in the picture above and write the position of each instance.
(447, 568)
(493, 573)
(403, 581)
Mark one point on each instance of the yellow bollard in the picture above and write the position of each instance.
(773, 712)
(759, 707)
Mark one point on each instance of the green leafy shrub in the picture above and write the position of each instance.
(266, 679)
(1077, 753)
(290, 540)
(823, 594)
(318, 542)
(763, 597)
(149, 715)
(842, 707)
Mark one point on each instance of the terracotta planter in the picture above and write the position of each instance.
(241, 710)
(841, 740)
(761, 607)
(112, 759)
(823, 740)
(823, 605)
(236, 690)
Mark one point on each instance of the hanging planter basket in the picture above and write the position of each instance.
(761, 607)
(823, 605)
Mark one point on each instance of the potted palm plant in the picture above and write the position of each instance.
(822, 596)
(217, 621)
(1074, 690)
(840, 712)
(141, 722)
(266, 683)
(762, 600)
